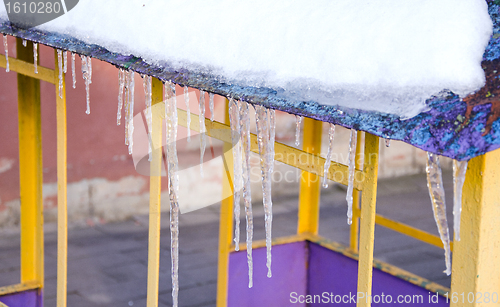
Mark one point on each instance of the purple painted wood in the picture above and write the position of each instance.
(289, 275)
(29, 298)
(332, 272)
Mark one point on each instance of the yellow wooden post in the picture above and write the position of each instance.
(367, 228)
(354, 231)
(476, 257)
(62, 193)
(310, 183)
(30, 171)
(226, 221)
(155, 196)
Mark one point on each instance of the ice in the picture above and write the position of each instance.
(35, 55)
(436, 192)
(247, 195)
(129, 109)
(121, 86)
(203, 130)
(298, 121)
(87, 77)
(266, 161)
(234, 120)
(328, 158)
(65, 59)
(148, 112)
(188, 112)
(73, 69)
(6, 48)
(459, 170)
(352, 169)
(272, 137)
(173, 179)
(211, 105)
(25, 43)
(387, 142)
(392, 55)
(60, 67)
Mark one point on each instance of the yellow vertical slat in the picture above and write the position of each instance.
(30, 171)
(62, 193)
(476, 257)
(226, 221)
(354, 231)
(155, 196)
(367, 221)
(310, 184)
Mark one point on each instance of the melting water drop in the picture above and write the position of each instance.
(234, 120)
(247, 195)
(298, 121)
(6, 48)
(203, 130)
(387, 142)
(459, 170)
(352, 168)
(328, 159)
(188, 112)
(25, 43)
(211, 105)
(436, 192)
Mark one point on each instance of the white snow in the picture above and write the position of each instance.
(378, 55)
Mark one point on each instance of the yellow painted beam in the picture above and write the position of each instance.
(28, 68)
(476, 258)
(155, 197)
(310, 184)
(356, 196)
(226, 217)
(29, 285)
(30, 172)
(367, 227)
(62, 190)
(311, 163)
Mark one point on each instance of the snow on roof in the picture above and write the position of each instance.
(387, 56)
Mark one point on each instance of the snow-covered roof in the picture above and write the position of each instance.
(380, 66)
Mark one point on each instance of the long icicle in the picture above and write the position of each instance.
(188, 113)
(126, 101)
(73, 68)
(173, 178)
(35, 56)
(211, 105)
(6, 49)
(247, 195)
(352, 167)
(148, 113)
(298, 121)
(203, 130)
(130, 127)
(272, 137)
(263, 137)
(459, 170)
(86, 72)
(121, 86)
(65, 60)
(328, 158)
(436, 192)
(61, 70)
(234, 120)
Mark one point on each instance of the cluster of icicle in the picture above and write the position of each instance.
(126, 86)
(437, 195)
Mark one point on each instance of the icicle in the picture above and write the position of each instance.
(188, 112)
(73, 69)
(266, 160)
(35, 56)
(126, 101)
(65, 59)
(298, 121)
(436, 192)
(121, 85)
(87, 76)
(247, 195)
(211, 105)
(234, 119)
(328, 159)
(130, 96)
(459, 170)
(203, 129)
(387, 142)
(272, 137)
(352, 168)
(6, 48)
(60, 67)
(25, 43)
(148, 113)
(171, 135)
